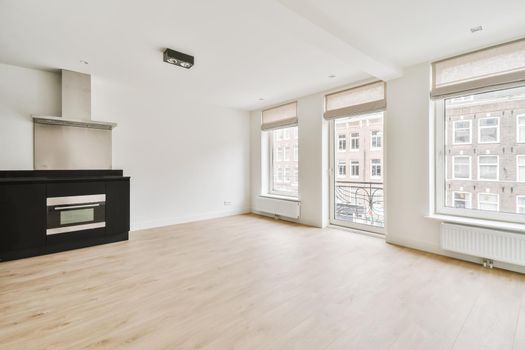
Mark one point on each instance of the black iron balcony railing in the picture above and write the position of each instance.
(360, 202)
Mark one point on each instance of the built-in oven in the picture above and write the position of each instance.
(75, 213)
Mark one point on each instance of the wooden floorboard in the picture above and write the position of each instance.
(248, 282)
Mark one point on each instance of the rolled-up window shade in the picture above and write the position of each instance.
(279, 117)
(480, 70)
(362, 99)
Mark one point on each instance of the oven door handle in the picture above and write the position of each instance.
(78, 206)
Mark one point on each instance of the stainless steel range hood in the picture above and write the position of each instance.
(73, 140)
(76, 104)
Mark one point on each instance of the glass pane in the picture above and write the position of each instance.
(486, 174)
(77, 216)
(462, 136)
(358, 196)
(488, 134)
(284, 165)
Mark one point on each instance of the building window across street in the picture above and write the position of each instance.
(462, 132)
(488, 201)
(341, 142)
(341, 169)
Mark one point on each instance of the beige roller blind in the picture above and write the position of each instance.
(280, 116)
(362, 99)
(480, 70)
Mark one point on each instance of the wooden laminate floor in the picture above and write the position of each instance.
(247, 282)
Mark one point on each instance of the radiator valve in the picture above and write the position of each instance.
(488, 263)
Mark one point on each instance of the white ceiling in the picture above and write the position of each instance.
(248, 49)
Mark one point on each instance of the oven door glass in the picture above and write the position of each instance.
(77, 216)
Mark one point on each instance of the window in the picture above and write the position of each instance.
(354, 168)
(520, 127)
(488, 168)
(280, 153)
(279, 126)
(352, 203)
(461, 167)
(520, 204)
(341, 169)
(462, 199)
(520, 165)
(488, 201)
(341, 142)
(354, 139)
(377, 139)
(283, 164)
(375, 168)
(287, 174)
(462, 132)
(488, 130)
(280, 174)
(485, 159)
(286, 152)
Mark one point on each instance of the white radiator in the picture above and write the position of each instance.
(485, 243)
(276, 206)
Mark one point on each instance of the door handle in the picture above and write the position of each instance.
(78, 206)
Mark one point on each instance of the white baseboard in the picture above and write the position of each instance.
(436, 249)
(142, 225)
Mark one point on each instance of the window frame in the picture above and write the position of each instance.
(454, 128)
(518, 206)
(375, 177)
(488, 127)
(518, 116)
(518, 156)
(439, 180)
(352, 169)
(469, 178)
(377, 137)
(341, 138)
(287, 155)
(491, 194)
(357, 139)
(339, 164)
(497, 167)
(469, 200)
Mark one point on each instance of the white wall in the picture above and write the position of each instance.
(185, 159)
(407, 161)
(23, 92)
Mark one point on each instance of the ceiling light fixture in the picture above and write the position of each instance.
(331, 76)
(476, 29)
(261, 99)
(84, 62)
(178, 58)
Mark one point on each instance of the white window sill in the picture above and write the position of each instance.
(276, 196)
(507, 226)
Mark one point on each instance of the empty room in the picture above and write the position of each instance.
(262, 174)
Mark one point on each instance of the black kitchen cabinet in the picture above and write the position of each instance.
(31, 200)
(117, 207)
(22, 217)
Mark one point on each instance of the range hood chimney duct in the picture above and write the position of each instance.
(76, 104)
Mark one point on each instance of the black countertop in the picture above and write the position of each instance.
(40, 176)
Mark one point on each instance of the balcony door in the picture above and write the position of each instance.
(357, 172)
